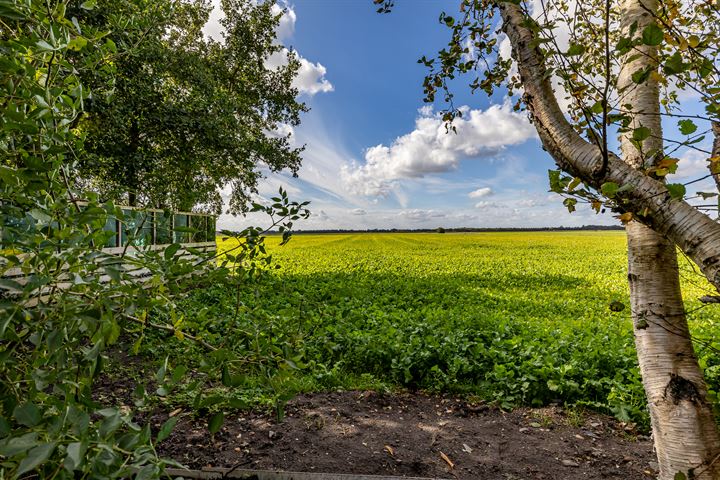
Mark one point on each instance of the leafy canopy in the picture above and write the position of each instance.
(188, 115)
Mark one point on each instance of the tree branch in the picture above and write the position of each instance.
(648, 199)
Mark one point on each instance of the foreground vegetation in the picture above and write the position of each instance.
(514, 318)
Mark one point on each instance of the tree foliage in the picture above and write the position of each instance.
(64, 301)
(189, 115)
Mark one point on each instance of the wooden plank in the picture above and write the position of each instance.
(112, 258)
(220, 473)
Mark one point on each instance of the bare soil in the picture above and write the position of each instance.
(415, 435)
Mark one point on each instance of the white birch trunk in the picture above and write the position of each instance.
(686, 438)
(693, 231)
(684, 430)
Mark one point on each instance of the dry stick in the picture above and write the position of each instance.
(715, 153)
(606, 90)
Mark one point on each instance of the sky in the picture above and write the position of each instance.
(377, 157)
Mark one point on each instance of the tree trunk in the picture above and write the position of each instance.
(686, 437)
(683, 424)
(684, 430)
(694, 232)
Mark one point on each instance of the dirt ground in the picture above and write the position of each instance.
(416, 435)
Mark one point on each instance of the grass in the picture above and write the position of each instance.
(513, 318)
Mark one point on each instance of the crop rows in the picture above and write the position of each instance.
(514, 318)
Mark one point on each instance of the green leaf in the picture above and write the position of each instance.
(687, 126)
(178, 373)
(88, 4)
(166, 429)
(226, 380)
(77, 43)
(27, 414)
(652, 35)
(171, 250)
(6, 283)
(676, 190)
(36, 457)
(17, 445)
(216, 422)
(45, 45)
(641, 133)
(570, 204)
(641, 76)
(674, 64)
(609, 189)
(75, 456)
(575, 49)
(680, 476)
(555, 182)
(113, 273)
(624, 45)
(4, 427)
(574, 184)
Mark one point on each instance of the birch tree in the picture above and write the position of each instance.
(622, 69)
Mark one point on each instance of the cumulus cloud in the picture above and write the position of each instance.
(693, 163)
(480, 192)
(310, 78)
(286, 26)
(283, 130)
(429, 148)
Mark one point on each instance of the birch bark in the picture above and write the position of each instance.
(694, 232)
(686, 437)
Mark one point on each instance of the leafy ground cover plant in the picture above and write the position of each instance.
(514, 318)
(63, 301)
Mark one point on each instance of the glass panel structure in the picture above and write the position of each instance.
(198, 223)
(210, 229)
(163, 228)
(111, 226)
(182, 222)
(137, 228)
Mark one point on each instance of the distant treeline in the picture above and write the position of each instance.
(469, 229)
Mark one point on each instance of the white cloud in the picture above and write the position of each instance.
(484, 204)
(283, 130)
(321, 216)
(311, 76)
(286, 27)
(431, 149)
(358, 211)
(692, 164)
(480, 192)
(531, 202)
(419, 215)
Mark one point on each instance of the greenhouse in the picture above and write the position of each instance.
(141, 227)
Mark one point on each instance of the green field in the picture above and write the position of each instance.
(514, 318)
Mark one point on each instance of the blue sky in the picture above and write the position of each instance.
(378, 157)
